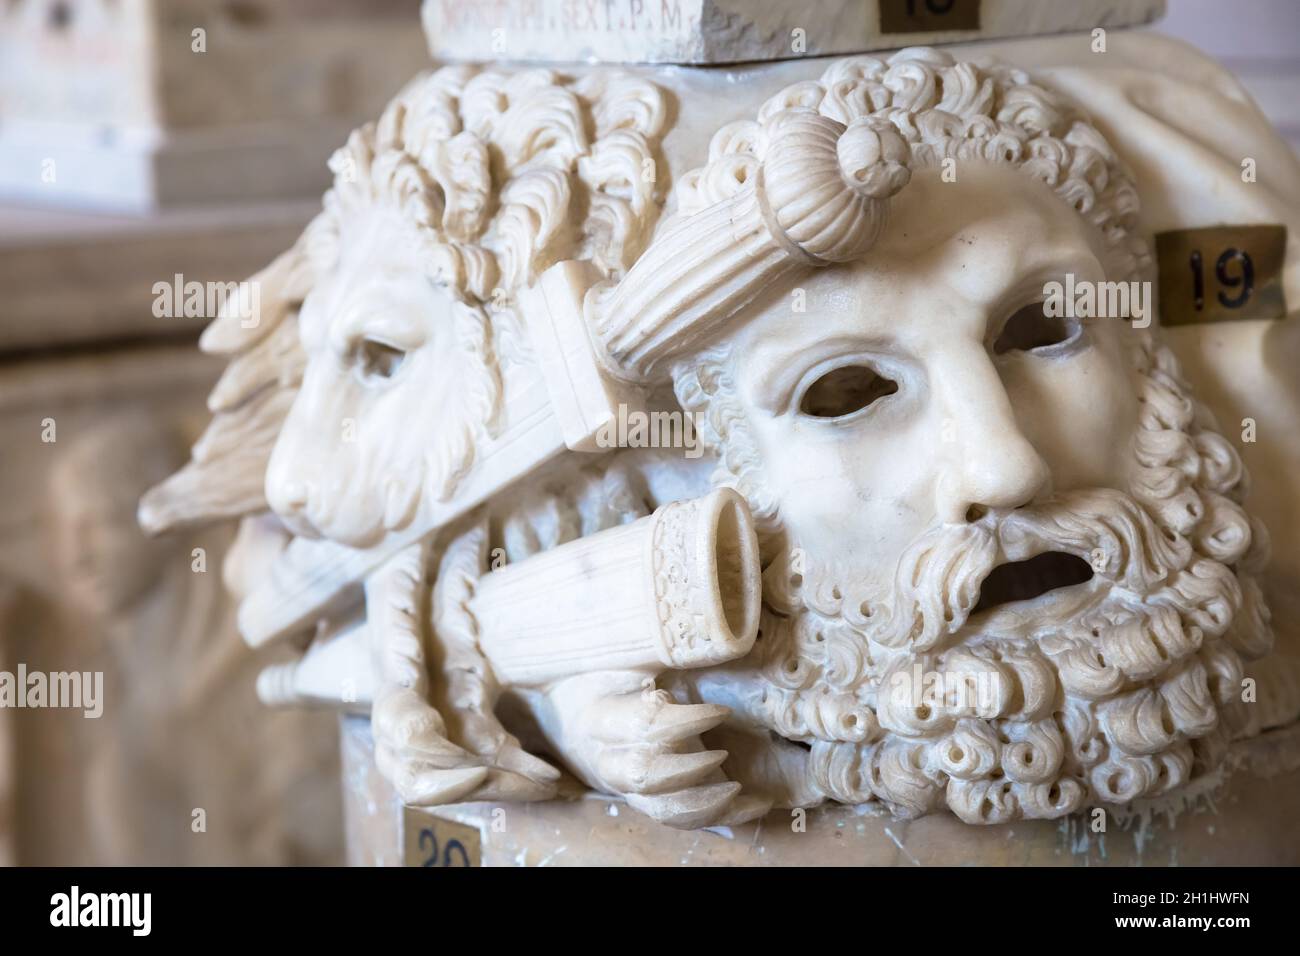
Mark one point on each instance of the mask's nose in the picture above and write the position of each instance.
(993, 464)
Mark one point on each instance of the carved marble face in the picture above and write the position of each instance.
(923, 385)
(1030, 511)
(385, 344)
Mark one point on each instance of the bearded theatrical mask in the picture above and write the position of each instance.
(987, 575)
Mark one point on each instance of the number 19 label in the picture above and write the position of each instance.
(1221, 274)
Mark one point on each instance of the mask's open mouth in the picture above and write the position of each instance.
(1028, 579)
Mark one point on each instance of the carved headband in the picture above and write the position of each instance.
(819, 196)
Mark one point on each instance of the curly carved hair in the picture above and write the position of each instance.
(1151, 700)
(948, 109)
(504, 173)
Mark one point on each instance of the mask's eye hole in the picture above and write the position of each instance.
(845, 390)
(377, 360)
(1029, 329)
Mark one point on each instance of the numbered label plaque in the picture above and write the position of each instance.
(1221, 273)
(431, 841)
(928, 16)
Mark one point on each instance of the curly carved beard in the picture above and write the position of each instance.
(1124, 686)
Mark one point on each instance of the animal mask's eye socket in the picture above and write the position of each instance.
(1029, 328)
(377, 360)
(845, 390)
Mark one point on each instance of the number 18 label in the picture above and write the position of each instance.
(928, 16)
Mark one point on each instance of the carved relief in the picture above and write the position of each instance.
(178, 731)
(948, 550)
(173, 727)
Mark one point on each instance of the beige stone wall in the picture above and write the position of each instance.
(135, 63)
(184, 765)
(148, 104)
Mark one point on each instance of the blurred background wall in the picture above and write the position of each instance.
(140, 141)
(1258, 40)
(147, 141)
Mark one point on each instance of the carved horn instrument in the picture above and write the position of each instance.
(676, 589)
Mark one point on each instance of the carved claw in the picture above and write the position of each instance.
(709, 806)
(517, 775)
(421, 785)
(686, 809)
(504, 785)
(639, 743)
(426, 768)
(673, 771)
(468, 754)
(652, 716)
(743, 809)
(404, 723)
(514, 758)
(467, 690)
(410, 750)
(485, 736)
(677, 722)
(645, 770)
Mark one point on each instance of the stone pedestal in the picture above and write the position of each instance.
(83, 591)
(117, 260)
(1232, 820)
(701, 32)
(149, 104)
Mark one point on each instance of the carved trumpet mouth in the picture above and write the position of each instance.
(1032, 578)
(733, 560)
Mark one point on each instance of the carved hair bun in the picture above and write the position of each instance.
(816, 192)
(826, 184)
(874, 157)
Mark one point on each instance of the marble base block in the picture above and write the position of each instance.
(151, 105)
(703, 32)
(1229, 821)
